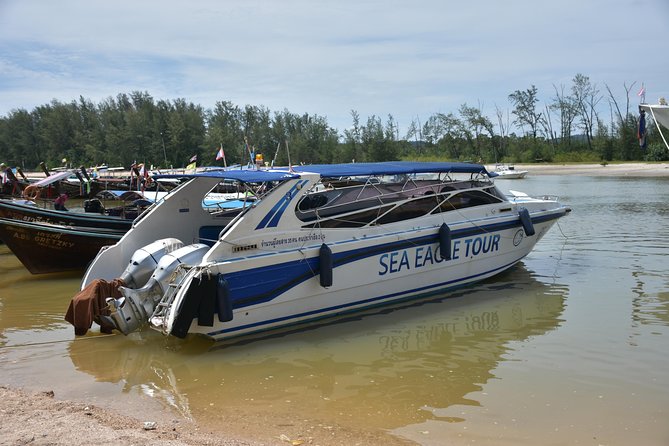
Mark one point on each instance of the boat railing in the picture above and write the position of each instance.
(347, 201)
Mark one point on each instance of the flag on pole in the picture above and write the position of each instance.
(221, 155)
(642, 93)
(192, 162)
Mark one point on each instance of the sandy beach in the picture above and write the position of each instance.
(41, 418)
(613, 169)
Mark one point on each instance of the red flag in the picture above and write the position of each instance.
(220, 155)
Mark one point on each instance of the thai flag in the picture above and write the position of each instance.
(220, 155)
(193, 159)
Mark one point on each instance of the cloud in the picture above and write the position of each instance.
(402, 58)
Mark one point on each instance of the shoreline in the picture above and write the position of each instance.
(631, 169)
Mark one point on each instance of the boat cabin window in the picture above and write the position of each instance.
(356, 204)
(466, 199)
(355, 220)
(410, 209)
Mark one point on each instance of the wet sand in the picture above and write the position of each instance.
(41, 418)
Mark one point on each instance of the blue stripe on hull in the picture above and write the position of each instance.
(258, 285)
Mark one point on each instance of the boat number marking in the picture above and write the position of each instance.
(45, 239)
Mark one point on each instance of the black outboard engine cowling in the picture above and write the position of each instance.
(94, 206)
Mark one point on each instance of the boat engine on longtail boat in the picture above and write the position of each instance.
(314, 242)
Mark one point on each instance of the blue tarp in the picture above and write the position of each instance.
(389, 168)
(338, 170)
(248, 176)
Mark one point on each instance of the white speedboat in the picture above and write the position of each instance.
(508, 172)
(318, 241)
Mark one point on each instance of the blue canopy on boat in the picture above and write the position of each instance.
(338, 170)
(389, 168)
(245, 175)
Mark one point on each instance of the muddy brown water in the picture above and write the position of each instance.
(568, 347)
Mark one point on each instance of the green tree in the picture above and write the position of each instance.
(525, 109)
(586, 98)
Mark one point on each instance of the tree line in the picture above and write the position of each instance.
(578, 123)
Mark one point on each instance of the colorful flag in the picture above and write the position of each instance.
(191, 166)
(221, 154)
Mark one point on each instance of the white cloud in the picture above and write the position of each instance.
(402, 58)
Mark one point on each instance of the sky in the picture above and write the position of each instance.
(408, 59)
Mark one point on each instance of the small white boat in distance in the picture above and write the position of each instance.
(317, 241)
(504, 171)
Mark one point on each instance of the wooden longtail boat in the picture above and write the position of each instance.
(48, 247)
(15, 210)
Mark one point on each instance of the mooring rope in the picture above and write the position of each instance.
(33, 344)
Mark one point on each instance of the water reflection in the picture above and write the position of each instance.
(30, 303)
(378, 371)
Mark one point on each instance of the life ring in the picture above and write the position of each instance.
(32, 192)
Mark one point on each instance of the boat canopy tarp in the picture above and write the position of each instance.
(339, 170)
(245, 175)
(53, 178)
(389, 168)
(659, 112)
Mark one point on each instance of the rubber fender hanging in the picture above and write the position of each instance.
(206, 296)
(223, 302)
(325, 259)
(188, 311)
(526, 221)
(445, 241)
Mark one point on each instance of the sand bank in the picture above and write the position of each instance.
(612, 169)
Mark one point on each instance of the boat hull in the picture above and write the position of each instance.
(22, 212)
(48, 248)
(286, 291)
(511, 175)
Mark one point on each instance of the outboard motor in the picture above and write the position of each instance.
(136, 306)
(145, 260)
(94, 206)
